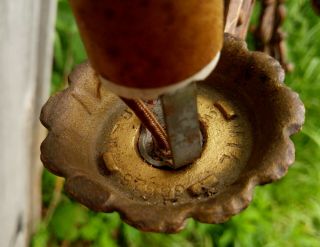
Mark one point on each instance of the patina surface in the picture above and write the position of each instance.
(247, 116)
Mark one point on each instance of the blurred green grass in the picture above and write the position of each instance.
(286, 213)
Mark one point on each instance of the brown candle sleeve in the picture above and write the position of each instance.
(149, 44)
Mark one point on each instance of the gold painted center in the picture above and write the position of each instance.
(225, 153)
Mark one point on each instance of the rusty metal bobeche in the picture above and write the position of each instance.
(226, 150)
(247, 115)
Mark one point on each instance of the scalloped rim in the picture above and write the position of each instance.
(214, 210)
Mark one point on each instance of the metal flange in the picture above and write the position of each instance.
(247, 116)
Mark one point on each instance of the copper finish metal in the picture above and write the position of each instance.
(270, 37)
(247, 115)
(237, 16)
(149, 120)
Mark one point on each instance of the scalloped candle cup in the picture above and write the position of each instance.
(248, 115)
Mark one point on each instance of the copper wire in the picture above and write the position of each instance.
(149, 121)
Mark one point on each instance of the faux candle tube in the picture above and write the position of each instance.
(144, 48)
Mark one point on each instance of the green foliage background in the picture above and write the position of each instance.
(286, 213)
